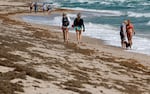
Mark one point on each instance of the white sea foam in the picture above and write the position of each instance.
(134, 14)
(148, 23)
(108, 12)
(106, 32)
(74, 1)
(105, 3)
(91, 1)
(141, 45)
(121, 0)
(82, 1)
(110, 35)
(56, 21)
(145, 3)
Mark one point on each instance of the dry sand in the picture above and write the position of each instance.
(34, 60)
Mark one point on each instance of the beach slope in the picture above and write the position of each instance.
(34, 60)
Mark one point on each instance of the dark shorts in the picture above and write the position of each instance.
(122, 36)
(31, 8)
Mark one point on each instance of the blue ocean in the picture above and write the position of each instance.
(103, 18)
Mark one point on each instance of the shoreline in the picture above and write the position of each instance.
(86, 39)
(34, 59)
(134, 50)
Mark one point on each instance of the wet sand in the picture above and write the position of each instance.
(34, 60)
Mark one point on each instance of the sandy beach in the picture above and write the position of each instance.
(34, 60)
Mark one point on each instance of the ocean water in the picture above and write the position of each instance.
(103, 18)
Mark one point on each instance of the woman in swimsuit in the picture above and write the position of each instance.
(65, 26)
(79, 26)
(130, 32)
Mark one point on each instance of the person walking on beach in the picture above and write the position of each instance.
(79, 27)
(123, 34)
(35, 7)
(65, 27)
(31, 6)
(130, 31)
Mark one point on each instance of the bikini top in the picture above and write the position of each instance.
(129, 26)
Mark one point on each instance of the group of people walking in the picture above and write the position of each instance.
(126, 30)
(78, 25)
(44, 7)
(126, 33)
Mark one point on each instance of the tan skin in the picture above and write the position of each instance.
(130, 32)
(65, 33)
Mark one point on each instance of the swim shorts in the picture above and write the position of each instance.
(78, 28)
